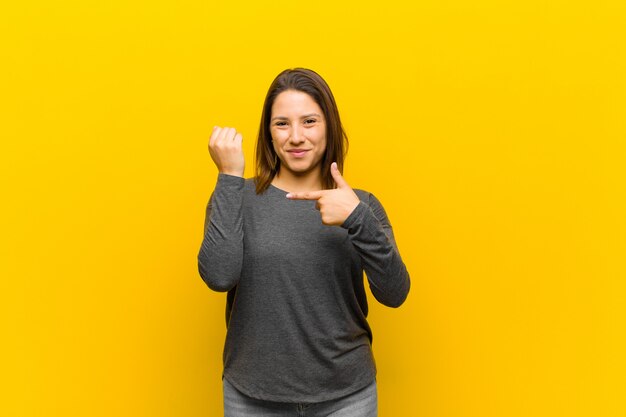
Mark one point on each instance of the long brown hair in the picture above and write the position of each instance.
(311, 83)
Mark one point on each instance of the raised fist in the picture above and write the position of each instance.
(226, 151)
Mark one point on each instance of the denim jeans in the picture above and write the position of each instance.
(362, 403)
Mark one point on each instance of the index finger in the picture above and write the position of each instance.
(306, 195)
(216, 131)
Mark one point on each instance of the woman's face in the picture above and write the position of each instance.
(298, 131)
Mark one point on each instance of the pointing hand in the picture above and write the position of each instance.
(334, 205)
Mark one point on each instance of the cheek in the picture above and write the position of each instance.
(279, 136)
(318, 136)
(321, 138)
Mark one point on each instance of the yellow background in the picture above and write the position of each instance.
(493, 133)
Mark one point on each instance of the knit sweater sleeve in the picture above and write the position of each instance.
(221, 254)
(370, 232)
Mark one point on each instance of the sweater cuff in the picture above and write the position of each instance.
(230, 180)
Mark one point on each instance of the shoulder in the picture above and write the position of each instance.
(249, 188)
(366, 196)
(373, 202)
(250, 193)
(249, 183)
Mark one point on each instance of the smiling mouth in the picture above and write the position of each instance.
(299, 152)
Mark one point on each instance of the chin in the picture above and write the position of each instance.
(298, 168)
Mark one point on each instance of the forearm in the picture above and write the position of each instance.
(386, 272)
(221, 253)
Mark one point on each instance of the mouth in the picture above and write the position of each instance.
(298, 153)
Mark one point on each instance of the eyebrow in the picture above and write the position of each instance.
(303, 117)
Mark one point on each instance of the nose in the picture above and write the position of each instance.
(296, 135)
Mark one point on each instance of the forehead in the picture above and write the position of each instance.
(292, 103)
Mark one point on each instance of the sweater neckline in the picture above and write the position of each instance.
(278, 189)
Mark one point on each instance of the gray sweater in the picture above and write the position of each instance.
(296, 306)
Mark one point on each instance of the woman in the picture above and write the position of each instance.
(290, 247)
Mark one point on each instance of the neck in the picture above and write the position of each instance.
(294, 183)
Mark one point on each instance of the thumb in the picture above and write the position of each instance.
(341, 183)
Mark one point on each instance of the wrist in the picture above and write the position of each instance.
(232, 173)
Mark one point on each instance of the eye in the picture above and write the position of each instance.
(310, 121)
(279, 124)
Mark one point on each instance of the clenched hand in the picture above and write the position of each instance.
(226, 150)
